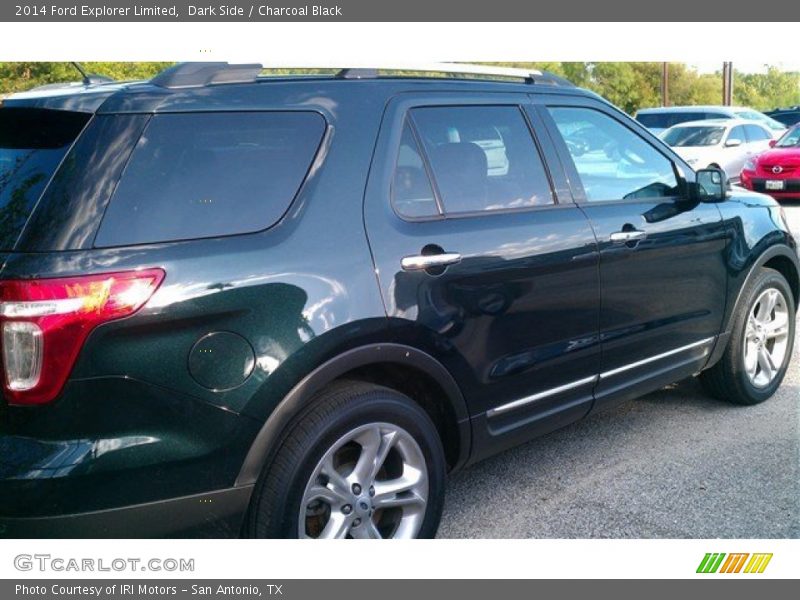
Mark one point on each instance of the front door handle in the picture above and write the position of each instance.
(633, 235)
(423, 262)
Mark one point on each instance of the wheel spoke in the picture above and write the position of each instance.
(398, 501)
(336, 528)
(321, 492)
(336, 481)
(386, 492)
(777, 328)
(387, 443)
(751, 359)
(375, 447)
(366, 531)
(772, 300)
(766, 363)
(370, 442)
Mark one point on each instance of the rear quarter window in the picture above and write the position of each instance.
(33, 143)
(204, 175)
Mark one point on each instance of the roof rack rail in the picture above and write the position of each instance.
(199, 74)
(432, 69)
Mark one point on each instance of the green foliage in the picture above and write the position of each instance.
(629, 85)
(771, 90)
(635, 85)
(19, 76)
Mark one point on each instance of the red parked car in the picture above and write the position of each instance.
(777, 171)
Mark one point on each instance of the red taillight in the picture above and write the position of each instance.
(44, 322)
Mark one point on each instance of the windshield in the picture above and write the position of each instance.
(791, 139)
(693, 136)
(32, 144)
(754, 115)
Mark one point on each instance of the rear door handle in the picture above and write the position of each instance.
(635, 235)
(422, 262)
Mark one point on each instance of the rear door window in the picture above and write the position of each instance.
(33, 143)
(204, 175)
(483, 158)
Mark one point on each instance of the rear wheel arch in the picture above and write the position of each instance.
(403, 368)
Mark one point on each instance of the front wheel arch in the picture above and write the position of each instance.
(779, 257)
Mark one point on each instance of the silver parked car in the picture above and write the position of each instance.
(662, 118)
(723, 143)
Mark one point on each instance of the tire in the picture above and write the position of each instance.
(341, 424)
(729, 379)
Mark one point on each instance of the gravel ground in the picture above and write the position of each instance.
(673, 464)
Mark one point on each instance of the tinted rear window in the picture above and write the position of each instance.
(211, 174)
(32, 144)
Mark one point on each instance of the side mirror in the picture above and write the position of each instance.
(733, 142)
(711, 185)
(772, 143)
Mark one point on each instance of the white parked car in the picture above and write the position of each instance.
(723, 143)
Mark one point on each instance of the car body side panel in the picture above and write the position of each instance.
(515, 318)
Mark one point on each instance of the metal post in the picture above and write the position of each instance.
(727, 83)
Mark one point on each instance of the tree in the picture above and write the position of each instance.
(19, 76)
(768, 90)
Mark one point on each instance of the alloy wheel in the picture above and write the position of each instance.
(372, 483)
(766, 339)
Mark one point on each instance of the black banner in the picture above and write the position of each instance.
(330, 589)
(401, 11)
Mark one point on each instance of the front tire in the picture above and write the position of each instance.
(364, 461)
(762, 338)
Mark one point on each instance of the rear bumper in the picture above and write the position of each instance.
(218, 514)
(114, 457)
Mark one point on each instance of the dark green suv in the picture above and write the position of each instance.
(233, 304)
